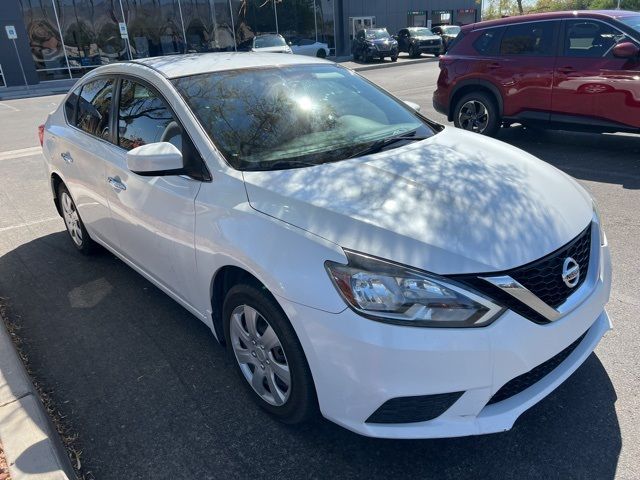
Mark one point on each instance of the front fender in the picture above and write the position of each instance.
(289, 261)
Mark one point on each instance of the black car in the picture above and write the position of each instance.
(418, 40)
(448, 33)
(374, 43)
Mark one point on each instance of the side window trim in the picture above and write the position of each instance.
(206, 177)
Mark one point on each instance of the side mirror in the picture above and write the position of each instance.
(626, 50)
(290, 43)
(154, 159)
(413, 105)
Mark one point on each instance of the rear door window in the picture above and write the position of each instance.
(488, 41)
(94, 108)
(533, 39)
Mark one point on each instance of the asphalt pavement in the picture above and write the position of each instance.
(151, 394)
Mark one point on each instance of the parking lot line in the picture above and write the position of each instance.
(23, 152)
(27, 224)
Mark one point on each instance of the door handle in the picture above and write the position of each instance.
(116, 184)
(66, 156)
(566, 70)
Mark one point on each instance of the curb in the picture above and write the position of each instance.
(31, 444)
(364, 68)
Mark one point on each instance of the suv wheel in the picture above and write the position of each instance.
(268, 356)
(477, 112)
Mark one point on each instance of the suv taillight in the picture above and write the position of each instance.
(41, 134)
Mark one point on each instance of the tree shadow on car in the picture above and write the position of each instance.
(608, 158)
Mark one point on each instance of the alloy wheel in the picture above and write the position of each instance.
(71, 219)
(473, 116)
(260, 355)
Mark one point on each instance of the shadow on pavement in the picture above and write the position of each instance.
(586, 156)
(152, 395)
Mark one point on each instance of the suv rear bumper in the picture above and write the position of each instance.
(439, 105)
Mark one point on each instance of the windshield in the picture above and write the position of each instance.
(633, 22)
(260, 118)
(374, 34)
(452, 30)
(420, 32)
(265, 41)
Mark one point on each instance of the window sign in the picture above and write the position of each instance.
(11, 32)
(123, 30)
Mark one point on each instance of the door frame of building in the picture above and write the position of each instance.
(362, 23)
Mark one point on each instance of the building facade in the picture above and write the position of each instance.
(63, 39)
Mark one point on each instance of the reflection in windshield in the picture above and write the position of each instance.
(452, 30)
(265, 41)
(633, 22)
(375, 34)
(262, 118)
(421, 32)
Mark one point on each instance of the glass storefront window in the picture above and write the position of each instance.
(47, 49)
(155, 27)
(69, 37)
(251, 18)
(297, 20)
(90, 33)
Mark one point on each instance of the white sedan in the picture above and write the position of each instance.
(402, 278)
(310, 47)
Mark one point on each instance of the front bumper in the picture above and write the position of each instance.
(359, 364)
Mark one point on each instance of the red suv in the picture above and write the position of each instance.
(566, 70)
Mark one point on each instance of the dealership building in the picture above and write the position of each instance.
(59, 40)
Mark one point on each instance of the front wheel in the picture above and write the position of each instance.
(477, 112)
(394, 58)
(268, 356)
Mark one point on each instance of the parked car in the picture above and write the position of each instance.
(373, 43)
(565, 70)
(306, 46)
(448, 33)
(270, 42)
(418, 40)
(405, 279)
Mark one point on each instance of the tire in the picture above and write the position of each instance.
(73, 223)
(394, 58)
(412, 52)
(321, 53)
(483, 103)
(298, 402)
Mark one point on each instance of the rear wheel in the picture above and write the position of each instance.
(321, 53)
(268, 355)
(477, 112)
(75, 228)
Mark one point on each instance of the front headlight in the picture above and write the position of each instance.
(387, 292)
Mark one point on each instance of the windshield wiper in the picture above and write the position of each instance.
(378, 145)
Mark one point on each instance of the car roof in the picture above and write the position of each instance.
(602, 14)
(194, 63)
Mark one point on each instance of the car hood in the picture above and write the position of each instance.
(428, 37)
(457, 202)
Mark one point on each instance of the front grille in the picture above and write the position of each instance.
(544, 277)
(428, 42)
(533, 376)
(414, 409)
